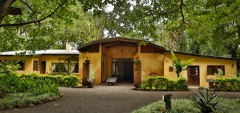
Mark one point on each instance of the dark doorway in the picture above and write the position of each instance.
(122, 68)
(193, 75)
(43, 67)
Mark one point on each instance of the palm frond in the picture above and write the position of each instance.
(174, 58)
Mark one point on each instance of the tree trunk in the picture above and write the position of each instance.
(4, 8)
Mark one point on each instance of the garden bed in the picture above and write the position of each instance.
(186, 106)
(18, 100)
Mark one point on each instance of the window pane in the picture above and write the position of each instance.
(35, 65)
(209, 70)
(213, 69)
(59, 67)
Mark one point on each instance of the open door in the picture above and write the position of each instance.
(43, 67)
(122, 68)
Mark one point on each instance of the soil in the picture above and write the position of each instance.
(119, 98)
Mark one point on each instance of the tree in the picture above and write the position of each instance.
(34, 8)
(178, 65)
(189, 26)
(68, 24)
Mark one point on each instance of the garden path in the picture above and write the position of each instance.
(106, 99)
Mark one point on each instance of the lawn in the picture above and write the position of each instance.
(186, 106)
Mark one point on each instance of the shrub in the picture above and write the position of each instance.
(162, 83)
(27, 83)
(186, 106)
(25, 99)
(150, 82)
(10, 83)
(60, 80)
(182, 84)
(226, 84)
(205, 101)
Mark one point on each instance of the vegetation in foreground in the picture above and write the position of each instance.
(26, 99)
(186, 106)
(29, 90)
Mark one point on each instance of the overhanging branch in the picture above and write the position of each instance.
(29, 7)
(181, 9)
(35, 21)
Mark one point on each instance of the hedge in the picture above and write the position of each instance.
(162, 83)
(226, 84)
(63, 81)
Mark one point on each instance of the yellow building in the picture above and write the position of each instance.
(113, 57)
(44, 61)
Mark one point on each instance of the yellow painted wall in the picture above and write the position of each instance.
(152, 62)
(202, 62)
(28, 69)
(95, 64)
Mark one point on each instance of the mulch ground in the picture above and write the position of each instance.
(106, 99)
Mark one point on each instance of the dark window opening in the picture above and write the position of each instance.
(213, 69)
(43, 67)
(21, 65)
(35, 65)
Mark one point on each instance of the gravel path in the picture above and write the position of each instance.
(106, 99)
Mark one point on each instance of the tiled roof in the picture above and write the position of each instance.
(41, 52)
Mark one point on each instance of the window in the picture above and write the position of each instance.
(58, 68)
(75, 70)
(21, 64)
(213, 69)
(170, 68)
(63, 68)
(35, 65)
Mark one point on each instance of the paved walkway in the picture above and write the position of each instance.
(106, 99)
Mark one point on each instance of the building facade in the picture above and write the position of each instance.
(113, 57)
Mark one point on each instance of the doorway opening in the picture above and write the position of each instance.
(122, 68)
(193, 75)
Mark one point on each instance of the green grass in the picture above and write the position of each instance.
(25, 99)
(186, 106)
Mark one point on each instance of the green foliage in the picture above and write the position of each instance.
(182, 84)
(178, 65)
(25, 99)
(60, 80)
(8, 67)
(150, 82)
(226, 84)
(186, 106)
(15, 84)
(162, 83)
(205, 101)
(220, 73)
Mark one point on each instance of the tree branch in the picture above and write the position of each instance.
(29, 7)
(4, 9)
(35, 21)
(181, 9)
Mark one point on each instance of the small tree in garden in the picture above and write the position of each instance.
(178, 65)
